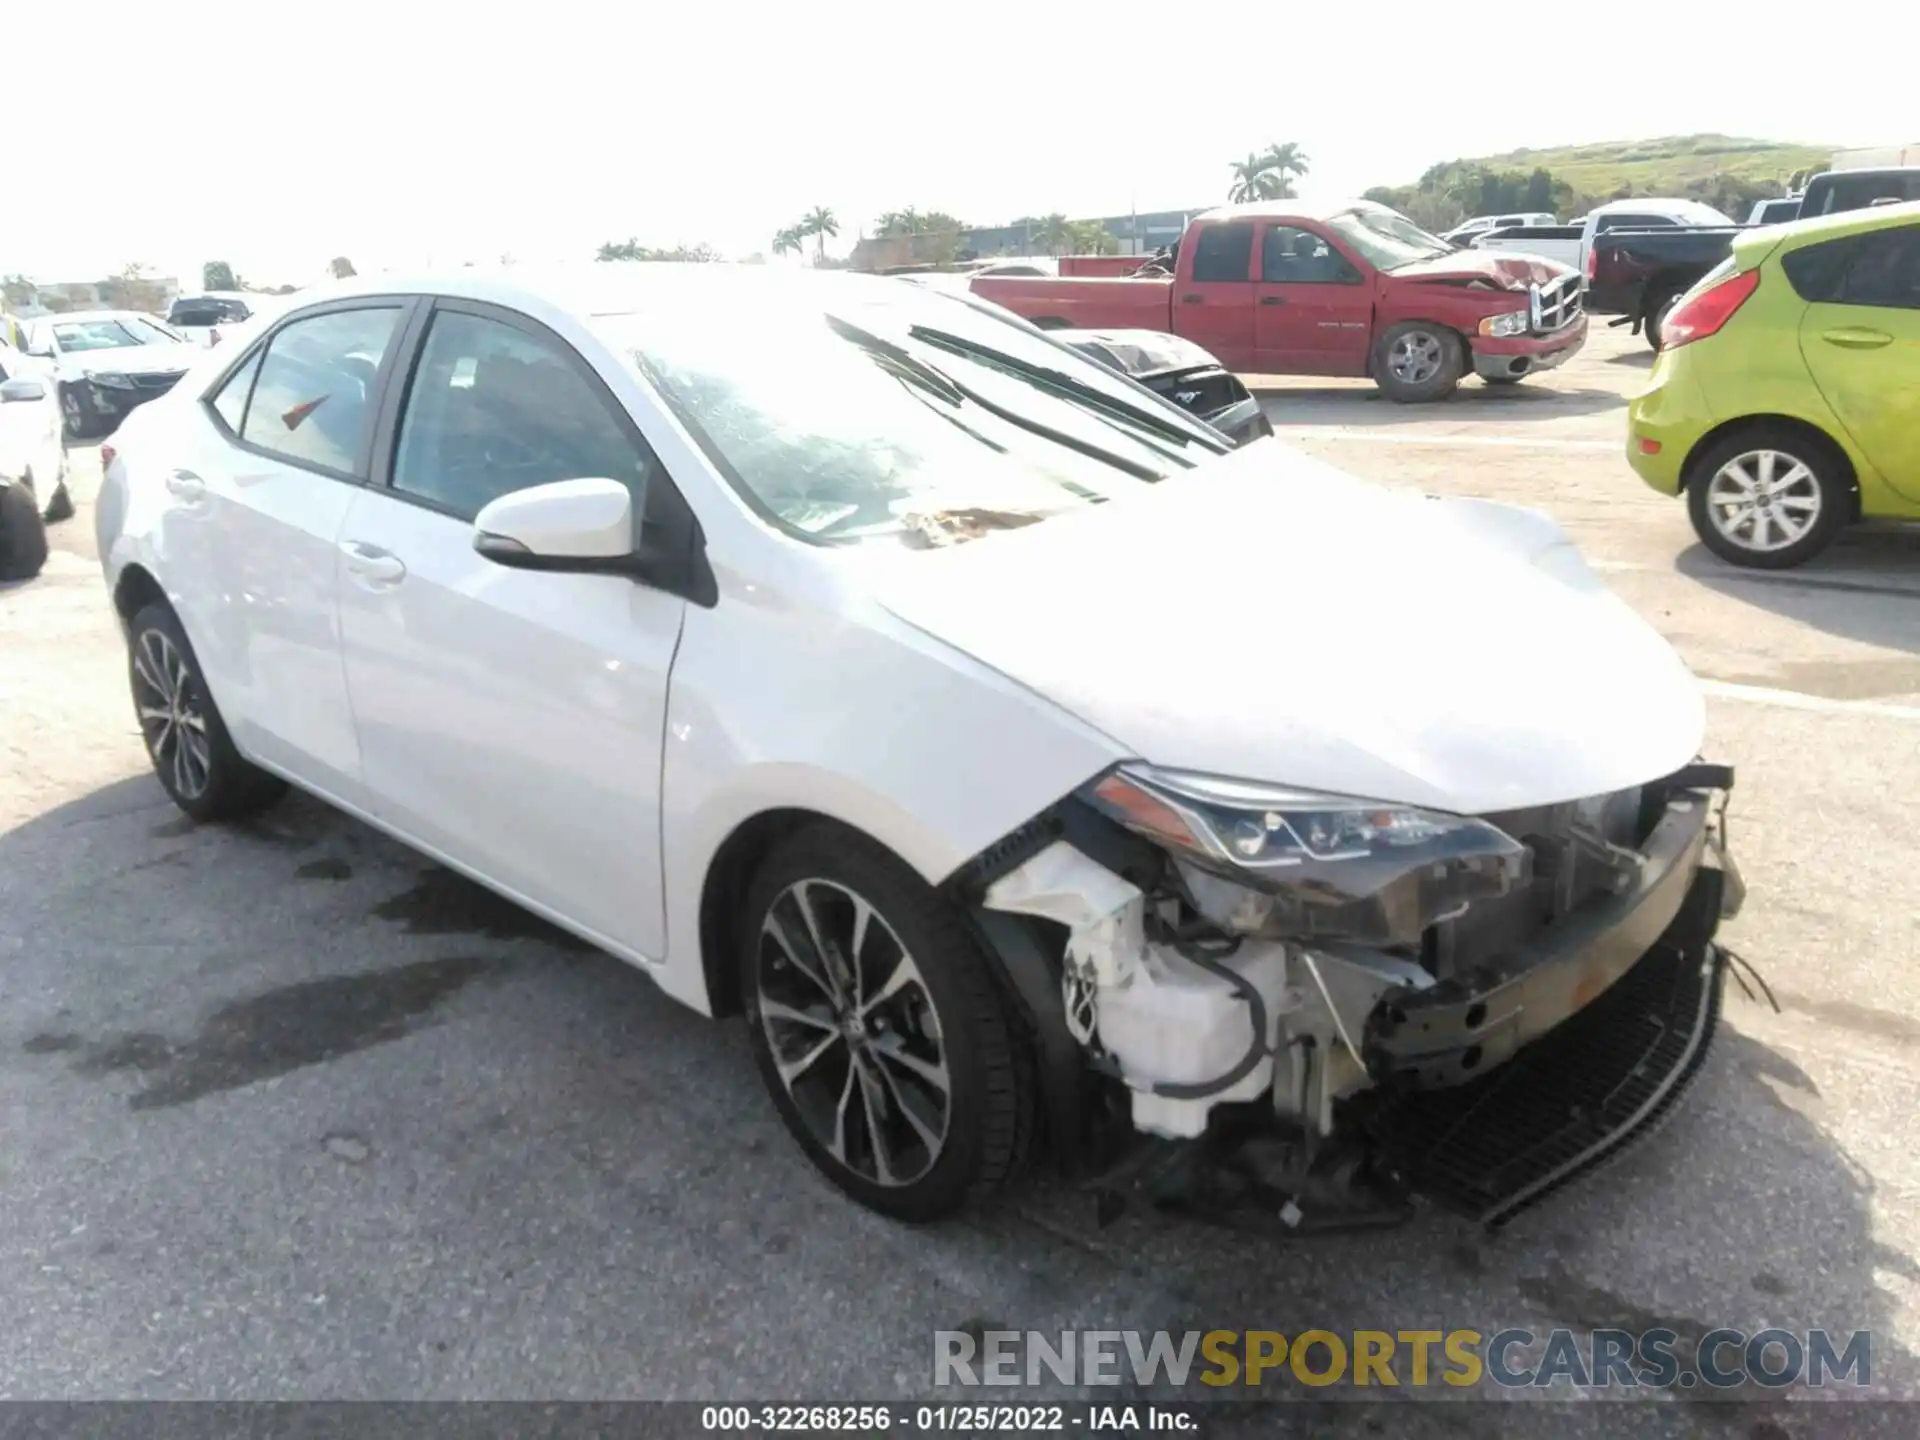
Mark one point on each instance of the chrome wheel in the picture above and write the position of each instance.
(171, 719)
(1415, 357)
(1764, 500)
(853, 1032)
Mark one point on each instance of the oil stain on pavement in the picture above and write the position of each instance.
(443, 903)
(274, 1033)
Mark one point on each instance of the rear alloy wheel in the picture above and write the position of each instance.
(1416, 362)
(1768, 501)
(878, 1029)
(186, 739)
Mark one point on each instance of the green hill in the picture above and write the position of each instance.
(1675, 165)
(1721, 170)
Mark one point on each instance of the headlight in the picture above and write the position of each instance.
(111, 379)
(1514, 322)
(1337, 867)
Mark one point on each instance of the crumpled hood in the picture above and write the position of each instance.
(1501, 268)
(1268, 617)
(134, 360)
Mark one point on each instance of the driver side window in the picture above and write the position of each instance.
(494, 409)
(1292, 256)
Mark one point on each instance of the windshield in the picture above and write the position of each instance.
(120, 333)
(1388, 240)
(881, 411)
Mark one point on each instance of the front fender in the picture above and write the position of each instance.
(859, 718)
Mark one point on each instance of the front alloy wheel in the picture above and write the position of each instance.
(879, 1028)
(854, 1033)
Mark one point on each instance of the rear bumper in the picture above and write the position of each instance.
(117, 401)
(1665, 421)
(1242, 423)
(1510, 356)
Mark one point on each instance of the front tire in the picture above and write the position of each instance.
(1768, 498)
(1416, 362)
(878, 1028)
(187, 741)
(60, 502)
(81, 420)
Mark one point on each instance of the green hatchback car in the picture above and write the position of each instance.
(1785, 402)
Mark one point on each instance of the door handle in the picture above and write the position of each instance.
(1190, 299)
(1273, 299)
(373, 567)
(187, 486)
(1857, 337)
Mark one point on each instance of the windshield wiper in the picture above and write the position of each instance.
(945, 386)
(1061, 383)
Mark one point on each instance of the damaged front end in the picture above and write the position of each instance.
(1305, 1006)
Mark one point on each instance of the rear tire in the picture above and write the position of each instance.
(1768, 514)
(1654, 316)
(193, 755)
(903, 1036)
(1416, 362)
(23, 533)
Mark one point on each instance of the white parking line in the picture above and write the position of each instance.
(1508, 442)
(1818, 704)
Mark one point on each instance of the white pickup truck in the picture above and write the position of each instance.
(1570, 244)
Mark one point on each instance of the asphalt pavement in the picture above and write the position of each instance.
(290, 1112)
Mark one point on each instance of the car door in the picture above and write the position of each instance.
(1213, 300)
(1313, 311)
(260, 473)
(511, 720)
(30, 432)
(1862, 347)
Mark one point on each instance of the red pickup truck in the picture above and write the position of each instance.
(1351, 288)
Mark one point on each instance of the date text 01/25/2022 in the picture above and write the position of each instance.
(870, 1419)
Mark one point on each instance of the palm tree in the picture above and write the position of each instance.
(787, 241)
(819, 222)
(1267, 175)
(1053, 233)
(1286, 161)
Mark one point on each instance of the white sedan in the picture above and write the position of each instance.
(1019, 758)
(33, 465)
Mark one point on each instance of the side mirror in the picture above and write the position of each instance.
(39, 352)
(582, 526)
(21, 390)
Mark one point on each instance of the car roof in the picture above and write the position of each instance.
(590, 288)
(1796, 233)
(63, 316)
(1289, 210)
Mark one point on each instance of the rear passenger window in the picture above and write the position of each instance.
(1223, 252)
(230, 402)
(1885, 270)
(312, 397)
(494, 409)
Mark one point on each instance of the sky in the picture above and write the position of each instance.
(275, 134)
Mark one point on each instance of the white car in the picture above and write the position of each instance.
(1018, 757)
(105, 362)
(1466, 230)
(207, 318)
(33, 465)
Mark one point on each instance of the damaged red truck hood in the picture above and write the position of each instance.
(1268, 617)
(1500, 271)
